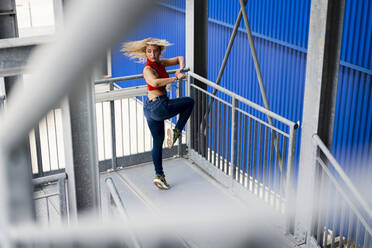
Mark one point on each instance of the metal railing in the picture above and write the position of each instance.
(241, 146)
(114, 197)
(43, 200)
(46, 145)
(123, 136)
(341, 218)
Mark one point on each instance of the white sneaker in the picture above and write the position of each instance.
(160, 182)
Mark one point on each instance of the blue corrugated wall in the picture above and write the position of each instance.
(281, 33)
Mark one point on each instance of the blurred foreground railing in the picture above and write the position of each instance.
(237, 146)
(114, 197)
(341, 217)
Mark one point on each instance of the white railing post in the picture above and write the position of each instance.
(232, 170)
(290, 193)
(188, 125)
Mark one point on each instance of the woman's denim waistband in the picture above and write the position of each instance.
(156, 99)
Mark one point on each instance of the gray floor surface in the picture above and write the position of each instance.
(201, 210)
(196, 211)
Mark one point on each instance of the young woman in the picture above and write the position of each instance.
(159, 107)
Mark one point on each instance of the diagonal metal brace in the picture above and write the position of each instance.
(243, 13)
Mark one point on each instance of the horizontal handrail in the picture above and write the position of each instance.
(122, 93)
(132, 77)
(342, 174)
(245, 101)
(343, 193)
(240, 110)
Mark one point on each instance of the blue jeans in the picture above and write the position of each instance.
(158, 111)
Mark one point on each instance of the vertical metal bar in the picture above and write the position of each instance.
(188, 126)
(324, 190)
(62, 197)
(219, 143)
(259, 160)
(264, 179)
(205, 124)
(254, 166)
(17, 204)
(240, 137)
(342, 223)
(228, 145)
(334, 224)
(318, 222)
(48, 145)
(113, 131)
(194, 126)
(290, 191)
(233, 138)
(357, 235)
(84, 141)
(276, 181)
(250, 155)
(201, 123)
(121, 125)
(210, 134)
(129, 128)
(271, 167)
(223, 142)
(349, 229)
(47, 208)
(143, 127)
(282, 174)
(224, 120)
(179, 94)
(103, 132)
(324, 47)
(365, 241)
(38, 151)
(245, 150)
(55, 133)
(136, 116)
(216, 135)
(200, 134)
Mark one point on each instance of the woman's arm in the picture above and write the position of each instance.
(176, 61)
(154, 81)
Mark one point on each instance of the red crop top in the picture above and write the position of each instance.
(160, 69)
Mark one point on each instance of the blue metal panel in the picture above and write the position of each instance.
(353, 122)
(281, 33)
(357, 33)
(164, 23)
(281, 20)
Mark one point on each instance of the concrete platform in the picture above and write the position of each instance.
(204, 212)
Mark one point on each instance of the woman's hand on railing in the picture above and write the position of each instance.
(180, 75)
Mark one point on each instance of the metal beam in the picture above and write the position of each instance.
(324, 46)
(85, 159)
(197, 60)
(14, 53)
(17, 205)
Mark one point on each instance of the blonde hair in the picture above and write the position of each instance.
(137, 49)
